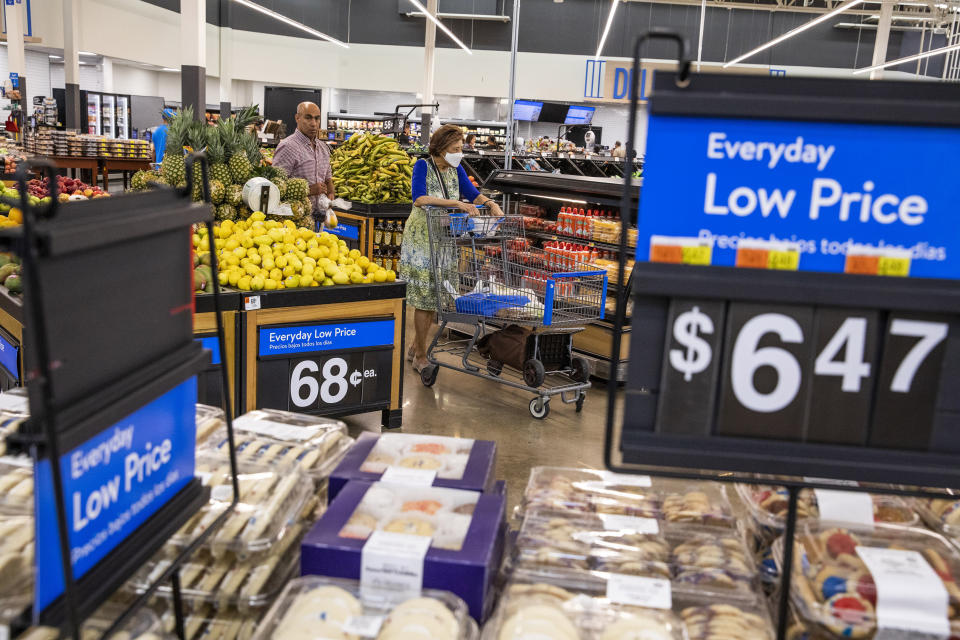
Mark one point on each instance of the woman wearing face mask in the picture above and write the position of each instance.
(438, 181)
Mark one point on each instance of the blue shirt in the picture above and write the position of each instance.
(418, 185)
(160, 141)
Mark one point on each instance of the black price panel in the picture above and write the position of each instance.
(857, 381)
(330, 368)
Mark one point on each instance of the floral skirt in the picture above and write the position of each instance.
(415, 262)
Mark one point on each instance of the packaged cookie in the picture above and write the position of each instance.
(699, 562)
(281, 439)
(546, 610)
(16, 485)
(316, 607)
(17, 549)
(590, 491)
(144, 625)
(209, 421)
(847, 581)
(768, 508)
(227, 581)
(271, 501)
(940, 514)
(204, 621)
(725, 622)
(443, 515)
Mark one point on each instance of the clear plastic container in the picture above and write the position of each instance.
(270, 503)
(768, 507)
(282, 439)
(209, 420)
(144, 625)
(447, 456)
(940, 514)
(833, 591)
(317, 607)
(16, 485)
(701, 563)
(443, 514)
(567, 491)
(226, 581)
(203, 621)
(707, 622)
(17, 550)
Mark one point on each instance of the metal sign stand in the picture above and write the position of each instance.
(70, 612)
(656, 273)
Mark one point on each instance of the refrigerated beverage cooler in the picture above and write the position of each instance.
(108, 114)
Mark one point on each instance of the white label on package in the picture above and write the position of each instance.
(626, 480)
(409, 477)
(833, 481)
(910, 595)
(629, 524)
(391, 565)
(363, 626)
(639, 591)
(222, 492)
(278, 430)
(850, 507)
(4, 632)
(14, 403)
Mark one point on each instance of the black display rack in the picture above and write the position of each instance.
(905, 461)
(101, 347)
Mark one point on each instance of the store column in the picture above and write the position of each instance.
(15, 19)
(71, 67)
(883, 38)
(429, 48)
(193, 56)
(226, 57)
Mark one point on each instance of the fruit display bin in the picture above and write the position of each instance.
(361, 218)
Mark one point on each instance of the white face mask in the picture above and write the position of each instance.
(453, 159)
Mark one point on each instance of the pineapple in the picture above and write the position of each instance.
(297, 208)
(297, 189)
(217, 191)
(216, 154)
(240, 167)
(172, 168)
(307, 206)
(139, 181)
(153, 178)
(234, 195)
(281, 186)
(226, 212)
(281, 173)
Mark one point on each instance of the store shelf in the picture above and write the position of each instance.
(378, 210)
(553, 186)
(327, 295)
(543, 235)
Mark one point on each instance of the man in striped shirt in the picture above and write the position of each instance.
(302, 155)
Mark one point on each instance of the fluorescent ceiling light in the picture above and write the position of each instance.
(293, 23)
(53, 57)
(606, 29)
(916, 56)
(87, 53)
(169, 69)
(800, 29)
(442, 26)
(461, 16)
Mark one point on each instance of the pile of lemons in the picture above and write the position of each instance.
(265, 255)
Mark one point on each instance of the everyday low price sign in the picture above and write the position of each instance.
(825, 187)
(276, 341)
(112, 484)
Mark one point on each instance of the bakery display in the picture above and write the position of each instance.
(697, 561)
(209, 421)
(588, 491)
(17, 550)
(16, 485)
(940, 514)
(833, 590)
(313, 607)
(204, 621)
(725, 622)
(270, 502)
(441, 514)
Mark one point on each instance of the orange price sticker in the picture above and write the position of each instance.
(862, 265)
(672, 254)
(753, 258)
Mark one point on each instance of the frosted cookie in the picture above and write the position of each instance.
(327, 604)
(359, 526)
(538, 622)
(404, 620)
(431, 448)
(421, 461)
(377, 463)
(637, 627)
(430, 507)
(850, 615)
(540, 590)
(410, 526)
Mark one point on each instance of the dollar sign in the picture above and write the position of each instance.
(698, 353)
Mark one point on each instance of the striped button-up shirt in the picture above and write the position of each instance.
(302, 158)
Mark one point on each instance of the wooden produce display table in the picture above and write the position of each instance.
(78, 163)
(126, 165)
(330, 351)
(357, 224)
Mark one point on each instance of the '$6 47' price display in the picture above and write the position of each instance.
(845, 354)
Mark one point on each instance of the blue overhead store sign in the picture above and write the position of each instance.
(277, 341)
(824, 186)
(112, 484)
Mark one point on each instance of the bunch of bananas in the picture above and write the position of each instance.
(372, 169)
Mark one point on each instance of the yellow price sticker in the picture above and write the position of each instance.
(899, 267)
(702, 255)
(784, 260)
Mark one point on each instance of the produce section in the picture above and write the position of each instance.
(372, 169)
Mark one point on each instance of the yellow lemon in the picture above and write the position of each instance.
(291, 282)
(306, 280)
(272, 224)
(275, 234)
(324, 236)
(373, 267)
(322, 262)
(300, 244)
(324, 252)
(380, 276)
(247, 242)
(258, 215)
(289, 224)
(289, 270)
(231, 244)
(354, 253)
(233, 277)
(276, 274)
(340, 278)
(244, 283)
(391, 275)
(355, 277)
(223, 278)
(307, 269)
(218, 243)
(363, 262)
(267, 262)
(314, 253)
(330, 269)
(312, 243)
(327, 282)
(232, 260)
(244, 261)
(281, 261)
(196, 239)
(270, 284)
(251, 269)
(257, 283)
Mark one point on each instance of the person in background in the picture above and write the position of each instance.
(302, 155)
(160, 135)
(492, 143)
(618, 150)
(438, 181)
(470, 142)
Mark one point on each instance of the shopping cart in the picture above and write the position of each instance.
(489, 277)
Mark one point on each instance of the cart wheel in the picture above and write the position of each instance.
(428, 375)
(533, 373)
(580, 400)
(494, 367)
(580, 369)
(539, 408)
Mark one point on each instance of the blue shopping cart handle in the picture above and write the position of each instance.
(577, 274)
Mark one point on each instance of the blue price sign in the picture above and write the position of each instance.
(212, 343)
(276, 341)
(14, 77)
(112, 484)
(10, 357)
(820, 185)
(350, 232)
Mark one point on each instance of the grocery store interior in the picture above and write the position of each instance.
(479, 320)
